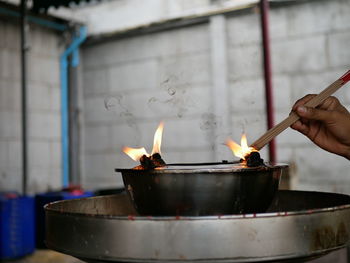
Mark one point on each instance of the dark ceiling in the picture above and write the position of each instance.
(41, 6)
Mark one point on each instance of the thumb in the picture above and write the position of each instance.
(314, 114)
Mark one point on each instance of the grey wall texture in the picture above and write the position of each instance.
(44, 126)
(206, 83)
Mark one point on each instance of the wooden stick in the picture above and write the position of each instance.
(293, 117)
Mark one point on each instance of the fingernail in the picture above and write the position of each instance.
(302, 109)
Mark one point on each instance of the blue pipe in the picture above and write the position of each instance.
(73, 49)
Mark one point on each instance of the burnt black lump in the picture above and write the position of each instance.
(157, 160)
(254, 159)
(151, 162)
(146, 162)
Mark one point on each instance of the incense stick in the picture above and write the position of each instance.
(293, 117)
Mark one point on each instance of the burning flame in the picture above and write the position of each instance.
(242, 150)
(157, 141)
(137, 153)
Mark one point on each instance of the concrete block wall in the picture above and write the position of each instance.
(43, 98)
(245, 76)
(309, 52)
(309, 42)
(132, 83)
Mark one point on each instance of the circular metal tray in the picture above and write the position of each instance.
(298, 226)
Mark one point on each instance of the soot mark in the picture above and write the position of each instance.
(116, 105)
(208, 121)
(171, 91)
(176, 99)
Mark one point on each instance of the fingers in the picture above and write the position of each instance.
(331, 103)
(303, 100)
(301, 127)
(315, 114)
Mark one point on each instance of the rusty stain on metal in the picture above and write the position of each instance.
(342, 234)
(323, 238)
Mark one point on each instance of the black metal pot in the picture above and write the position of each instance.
(198, 190)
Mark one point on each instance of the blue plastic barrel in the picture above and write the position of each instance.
(17, 225)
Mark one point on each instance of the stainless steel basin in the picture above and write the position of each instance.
(199, 190)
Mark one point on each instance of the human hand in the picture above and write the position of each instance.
(328, 126)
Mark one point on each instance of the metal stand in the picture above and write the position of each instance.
(74, 126)
(299, 226)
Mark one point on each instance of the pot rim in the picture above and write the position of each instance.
(191, 168)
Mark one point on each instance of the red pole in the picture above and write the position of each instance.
(264, 11)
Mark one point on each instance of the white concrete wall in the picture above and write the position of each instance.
(310, 51)
(133, 83)
(44, 129)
